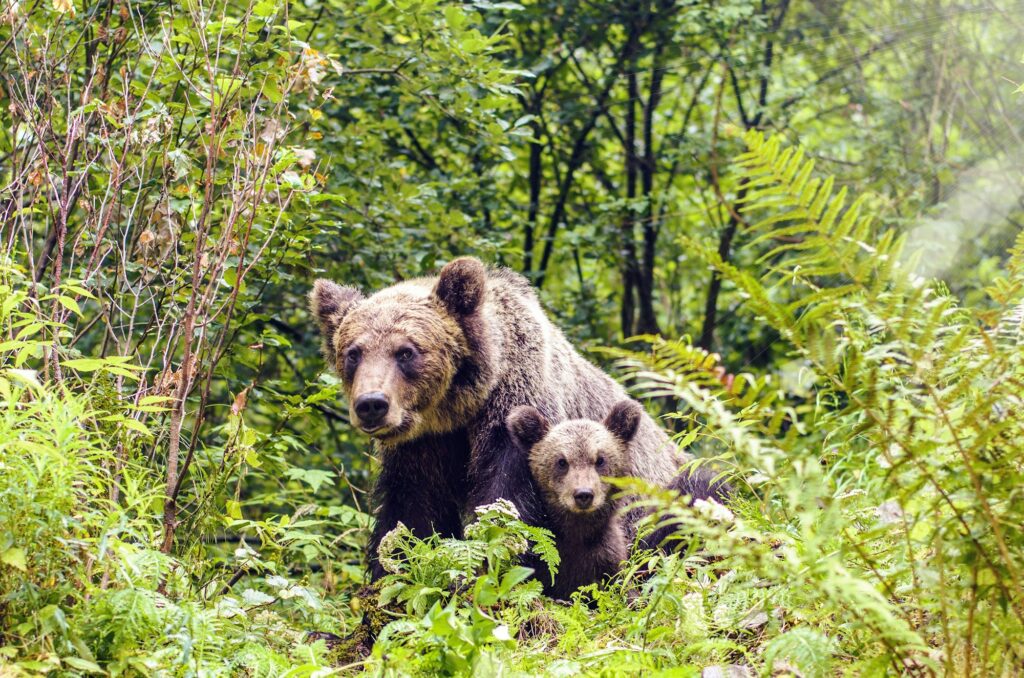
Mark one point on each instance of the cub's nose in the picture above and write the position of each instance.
(583, 498)
(371, 408)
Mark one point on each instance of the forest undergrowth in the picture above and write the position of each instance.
(876, 528)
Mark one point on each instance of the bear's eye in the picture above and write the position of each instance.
(563, 464)
(352, 357)
(404, 355)
(600, 462)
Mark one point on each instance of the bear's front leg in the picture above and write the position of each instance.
(499, 469)
(423, 485)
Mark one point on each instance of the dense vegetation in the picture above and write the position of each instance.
(792, 228)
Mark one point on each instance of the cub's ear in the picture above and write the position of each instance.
(460, 286)
(329, 302)
(624, 419)
(527, 426)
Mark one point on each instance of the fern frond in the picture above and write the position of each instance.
(820, 237)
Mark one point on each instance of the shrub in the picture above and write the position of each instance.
(877, 525)
(888, 520)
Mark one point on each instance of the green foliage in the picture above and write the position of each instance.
(83, 588)
(422, 571)
(471, 595)
(806, 650)
(890, 487)
(180, 490)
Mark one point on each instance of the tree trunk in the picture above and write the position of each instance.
(707, 334)
(647, 323)
(630, 265)
(535, 179)
(758, 120)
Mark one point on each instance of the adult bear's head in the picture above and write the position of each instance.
(413, 358)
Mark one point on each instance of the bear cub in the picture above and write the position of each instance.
(569, 462)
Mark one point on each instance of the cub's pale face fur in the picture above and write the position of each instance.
(570, 460)
(399, 351)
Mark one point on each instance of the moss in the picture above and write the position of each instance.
(357, 645)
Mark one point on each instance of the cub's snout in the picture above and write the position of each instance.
(583, 498)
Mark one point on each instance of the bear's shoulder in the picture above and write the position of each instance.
(513, 281)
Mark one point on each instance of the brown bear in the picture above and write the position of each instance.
(432, 366)
(570, 463)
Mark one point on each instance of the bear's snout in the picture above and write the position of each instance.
(371, 408)
(583, 497)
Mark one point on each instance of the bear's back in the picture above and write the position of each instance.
(540, 366)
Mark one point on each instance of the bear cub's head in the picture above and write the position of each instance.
(569, 461)
(404, 353)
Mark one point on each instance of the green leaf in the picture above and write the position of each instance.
(315, 478)
(15, 557)
(85, 364)
(514, 577)
(808, 650)
(82, 664)
(265, 9)
(252, 458)
(70, 304)
(252, 598)
(137, 426)
(29, 330)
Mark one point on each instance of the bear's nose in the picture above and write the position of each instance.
(583, 497)
(371, 408)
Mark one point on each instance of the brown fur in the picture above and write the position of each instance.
(482, 345)
(424, 399)
(573, 457)
(692, 485)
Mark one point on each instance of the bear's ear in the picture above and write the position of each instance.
(460, 286)
(624, 419)
(527, 426)
(329, 302)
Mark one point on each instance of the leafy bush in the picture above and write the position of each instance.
(888, 490)
(470, 596)
(877, 525)
(84, 587)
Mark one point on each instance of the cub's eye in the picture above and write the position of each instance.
(600, 462)
(404, 355)
(563, 464)
(352, 358)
